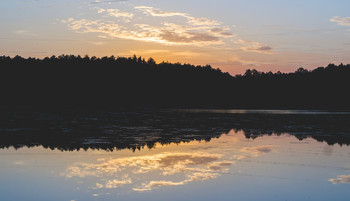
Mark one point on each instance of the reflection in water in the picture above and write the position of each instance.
(231, 160)
(173, 168)
(284, 112)
(110, 130)
(342, 179)
(167, 155)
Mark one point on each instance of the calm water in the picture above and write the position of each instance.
(174, 155)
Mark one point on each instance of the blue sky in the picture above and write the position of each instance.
(231, 34)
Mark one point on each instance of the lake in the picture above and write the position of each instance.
(82, 155)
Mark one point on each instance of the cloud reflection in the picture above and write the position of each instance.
(249, 152)
(342, 179)
(171, 169)
(114, 183)
(198, 176)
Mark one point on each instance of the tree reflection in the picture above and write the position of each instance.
(69, 130)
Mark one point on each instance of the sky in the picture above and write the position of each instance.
(232, 35)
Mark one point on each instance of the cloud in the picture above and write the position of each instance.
(169, 33)
(171, 28)
(117, 13)
(197, 31)
(342, 21)
(216, 30)
(187, 37)
(198, 21)
(107, 1)
(253, 46)
(222, 31)
(157, 12)
(264, 48)
(21, 32)
(342, 179)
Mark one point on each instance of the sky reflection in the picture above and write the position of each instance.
(228, 165)
(342, 179)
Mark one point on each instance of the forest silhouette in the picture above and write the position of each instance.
(75, 81)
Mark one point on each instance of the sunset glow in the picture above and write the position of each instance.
(232, 35)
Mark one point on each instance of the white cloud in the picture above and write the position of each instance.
(117, 13)
(342, 21)
(157, 12)
(197, 21)
(169, 33)
(106, 1)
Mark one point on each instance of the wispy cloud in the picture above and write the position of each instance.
(254, 46)
(171, 28)
(169, 33)
(157, 12)
(117, 13)
(106, 1)
(342, 21)
(20, 32)
(195, 31)
(197, 21)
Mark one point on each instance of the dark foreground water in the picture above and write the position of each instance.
(84, 155)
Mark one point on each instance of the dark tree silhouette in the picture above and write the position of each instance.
(75, 81)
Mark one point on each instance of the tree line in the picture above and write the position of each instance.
(69, 80)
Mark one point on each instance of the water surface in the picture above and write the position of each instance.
(174, 155)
